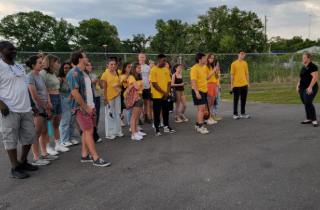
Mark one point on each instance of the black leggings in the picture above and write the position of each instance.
(307, 101)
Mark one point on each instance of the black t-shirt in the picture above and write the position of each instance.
(305, 75)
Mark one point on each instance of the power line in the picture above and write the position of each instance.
(291, 24)
(290, 13)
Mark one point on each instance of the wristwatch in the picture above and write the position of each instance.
(197, 92)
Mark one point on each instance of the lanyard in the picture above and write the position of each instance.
(13, 71)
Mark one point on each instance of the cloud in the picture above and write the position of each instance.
(285, 18)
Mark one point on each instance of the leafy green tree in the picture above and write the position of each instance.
(137, 44)
(63, 35)
(30, 31)
(171, 37)
(93, 34)
(245, 30)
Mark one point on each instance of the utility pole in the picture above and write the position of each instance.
(309, 24)
(265, 26)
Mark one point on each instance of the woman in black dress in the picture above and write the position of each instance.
(307, 87)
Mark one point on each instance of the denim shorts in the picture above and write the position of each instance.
(56, 103)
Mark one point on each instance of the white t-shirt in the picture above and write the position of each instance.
(145, 72)
(90, 102)
(96, 93)
(14, 87)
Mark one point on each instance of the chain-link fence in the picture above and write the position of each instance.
(263, 67)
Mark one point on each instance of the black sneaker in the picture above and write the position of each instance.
(140, 122)
(101, 162)
(88, 159)
(167, 129)
(157, 132)
(145, 119)
(25, 166)
(18, 173)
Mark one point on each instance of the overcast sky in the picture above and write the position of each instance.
(285, 18)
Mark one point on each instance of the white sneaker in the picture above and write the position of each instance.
(202, 130)
(209, 122)
(136, 136)
(110, 137)
(99, 140)
(66, 144)
(51, 151)
(73, 141)
(61, 148)
(246, 116)
(141, 133)
(119, 135)
(196, 127)
(152, 125)
(213, 121)
(236, 117)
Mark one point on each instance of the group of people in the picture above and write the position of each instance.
(50, 102)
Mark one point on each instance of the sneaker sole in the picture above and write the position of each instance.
(110, 138)
(86, 161)
(68, 145)
(104, 165)
(16, 177)
(178, 122)
(38, 164)
(75, 143)
(64, 151)
(50, 159)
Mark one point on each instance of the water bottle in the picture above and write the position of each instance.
(50, 127)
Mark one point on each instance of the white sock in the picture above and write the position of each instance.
(57, 142)
(48, 145)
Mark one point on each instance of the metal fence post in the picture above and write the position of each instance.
(291, 80)
(180, 58)
(125, 57)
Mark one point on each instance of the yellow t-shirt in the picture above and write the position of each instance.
(150, 82)
(131, 79)
(111, 80)
(218, 79)
(119, 71)
(122, 77)
(199, 74)
(239, 70)
(208, 71)
(162, 77)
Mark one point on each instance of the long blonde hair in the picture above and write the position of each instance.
(48, 63)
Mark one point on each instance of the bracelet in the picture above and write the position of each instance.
(197, 92)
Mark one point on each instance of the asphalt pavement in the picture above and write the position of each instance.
(269, 161)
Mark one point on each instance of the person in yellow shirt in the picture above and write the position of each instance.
(135, 81)
(216, 101)
(240, 84)
(125, 71)
(211, 83)
(199, 90)
(161, 85)
(118, 63)
(112, 101)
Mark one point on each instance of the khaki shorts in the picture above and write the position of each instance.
(179, 93)
(139, 103)
(17, 127)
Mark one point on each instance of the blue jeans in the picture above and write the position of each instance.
(216, 102)
(67, 125)
(56, 103)
(129, 113)
(112, 117)
(97, 105)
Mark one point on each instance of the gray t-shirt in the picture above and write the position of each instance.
(39, 83)
(145, 72)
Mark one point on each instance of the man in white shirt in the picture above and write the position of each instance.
(146, 94)
(16, 105)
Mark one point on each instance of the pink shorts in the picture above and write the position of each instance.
(87, 122)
